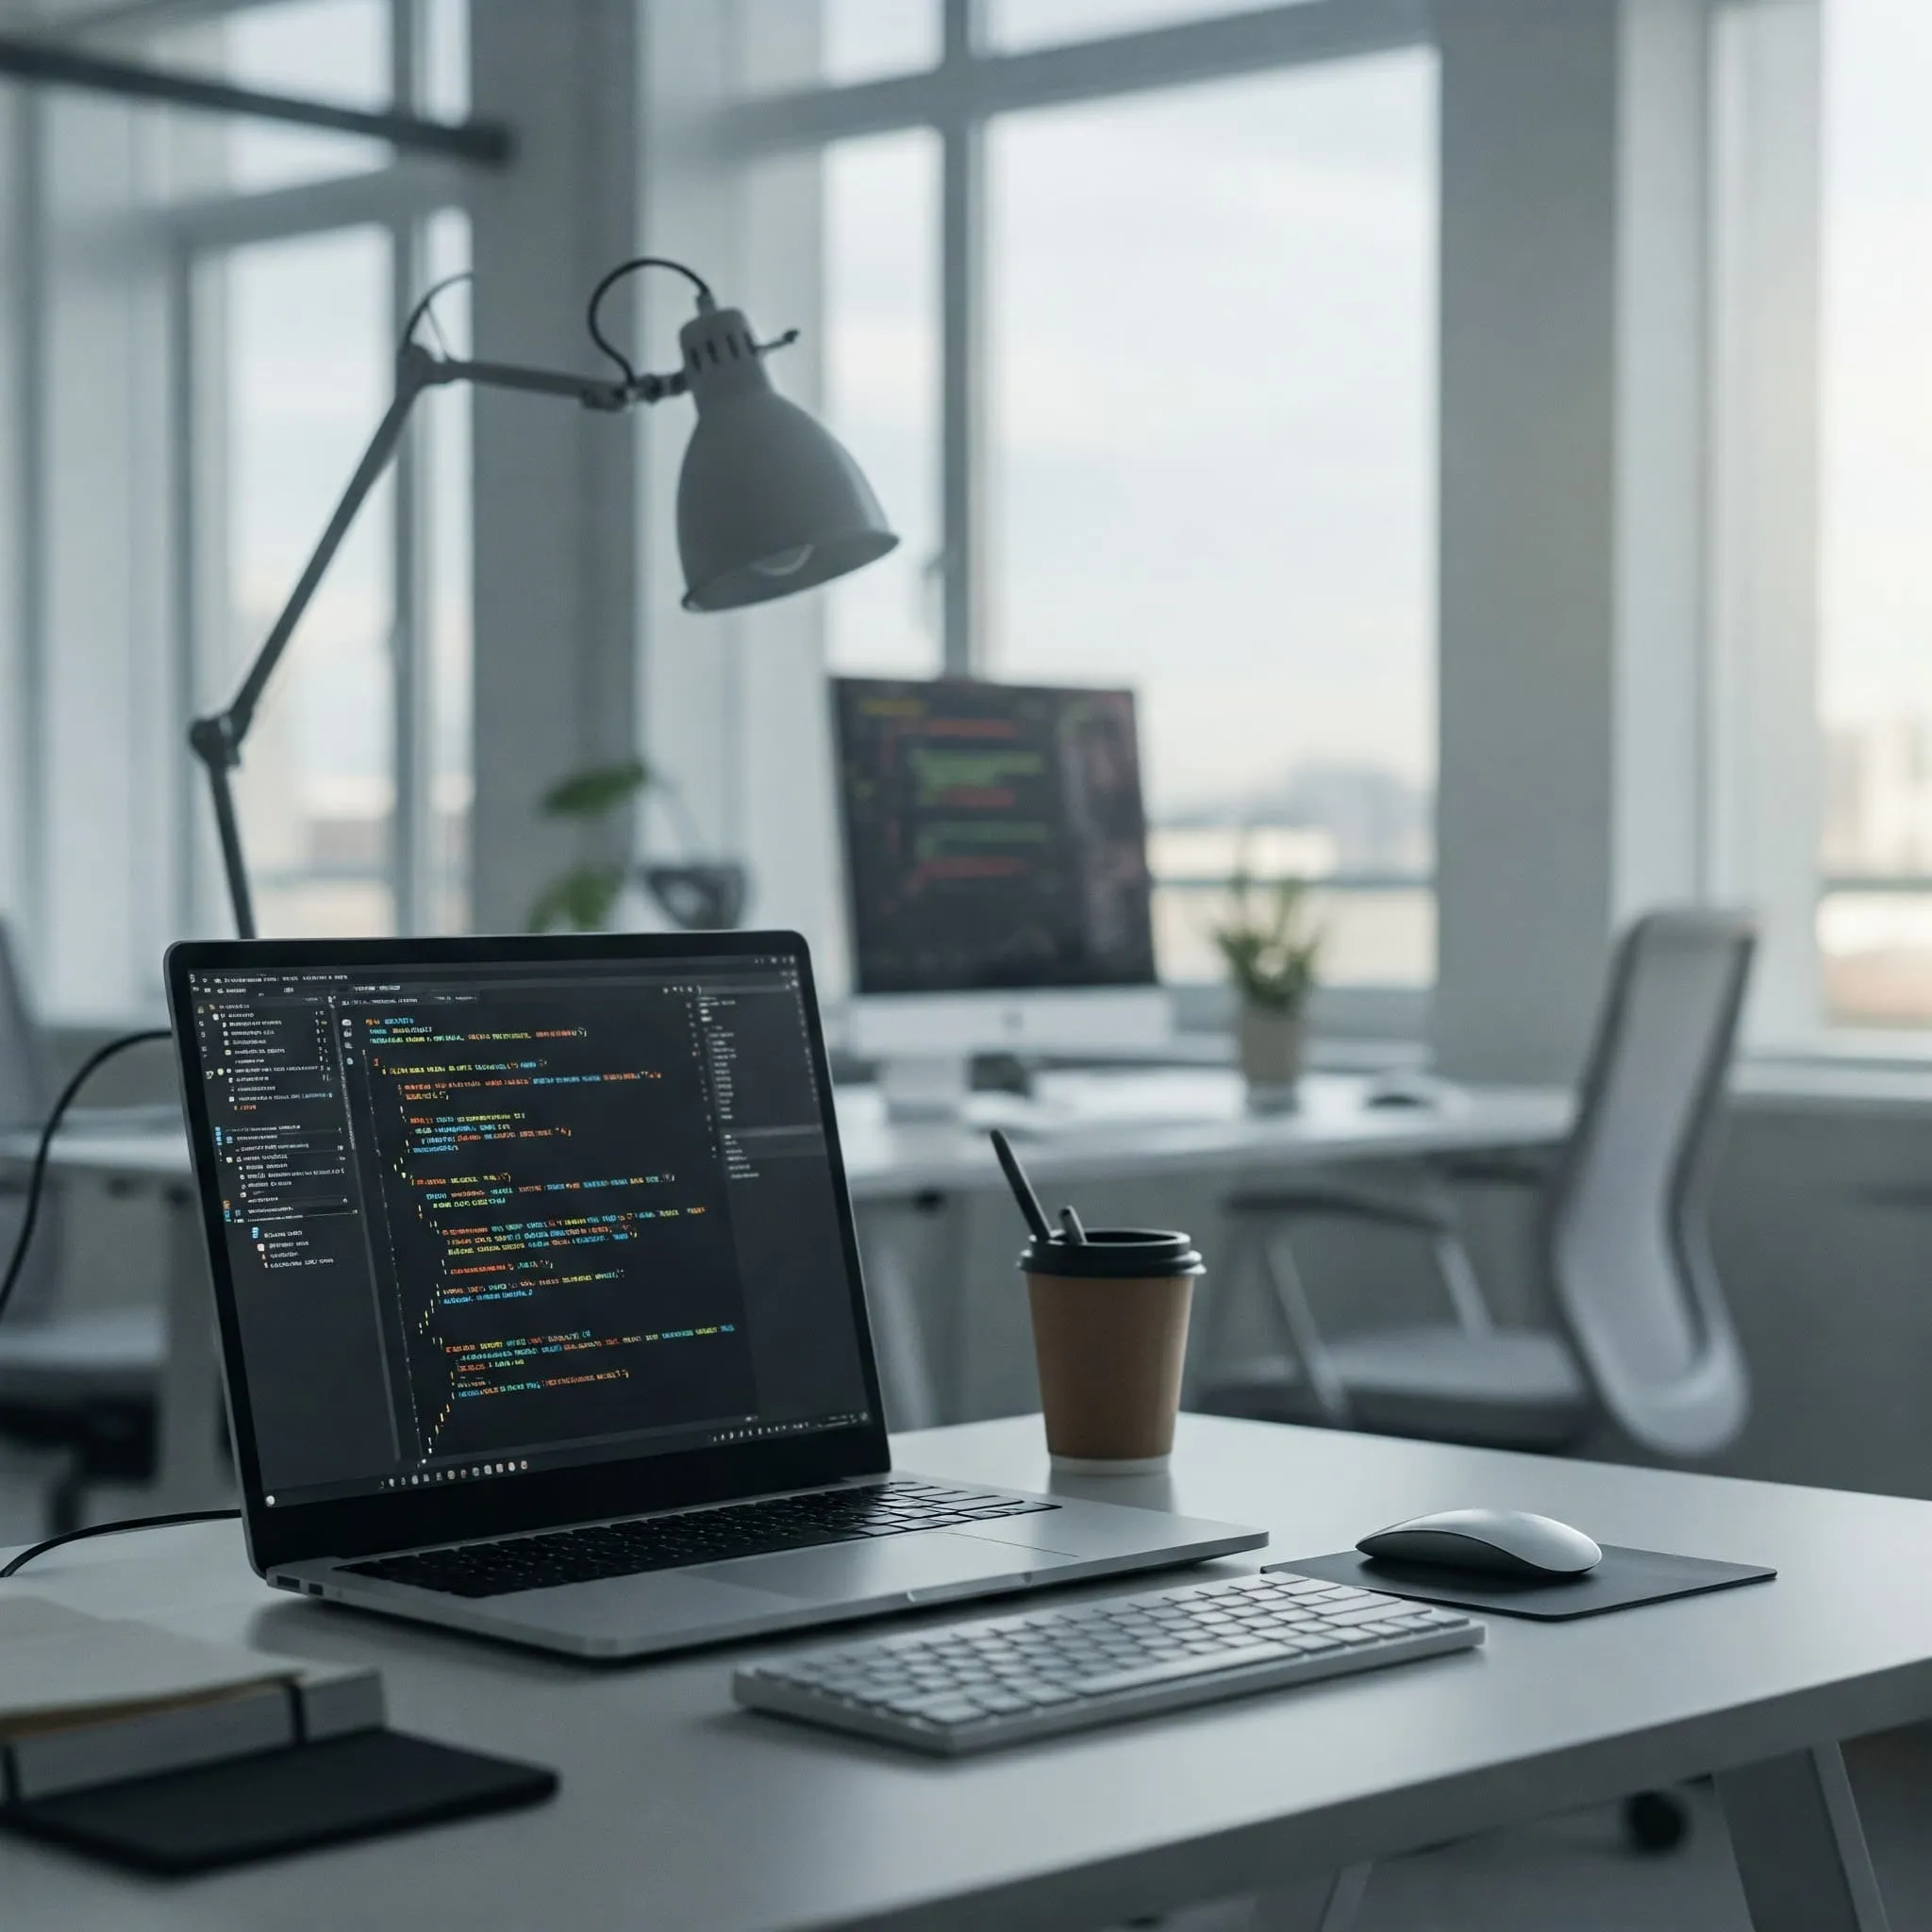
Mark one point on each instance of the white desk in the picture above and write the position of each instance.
(1158, 1121)
(1179, 1120)
(678, 1813)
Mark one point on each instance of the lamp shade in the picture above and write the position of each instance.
(768, 500)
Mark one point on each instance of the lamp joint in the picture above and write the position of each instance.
(214, 743)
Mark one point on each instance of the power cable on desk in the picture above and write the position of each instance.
(17, 1262)
(75, 1535)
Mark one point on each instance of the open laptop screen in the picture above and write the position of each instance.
(485, 1218)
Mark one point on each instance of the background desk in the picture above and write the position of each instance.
(904, 1180)
(910, 1180)
(680, 1814)
(190, 1465)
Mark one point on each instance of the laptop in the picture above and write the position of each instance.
(540, 1299)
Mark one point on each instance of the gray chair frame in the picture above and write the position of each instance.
(1693, 1414)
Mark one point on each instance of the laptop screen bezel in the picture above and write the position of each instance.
(583, 1493)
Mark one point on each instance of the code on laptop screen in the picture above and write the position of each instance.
(487, 1219)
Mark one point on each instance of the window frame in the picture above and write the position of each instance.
(972, 84)
(400, 197)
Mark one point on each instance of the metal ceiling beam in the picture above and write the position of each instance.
(487, 143)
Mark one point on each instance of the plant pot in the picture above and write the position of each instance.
(1271, 1052)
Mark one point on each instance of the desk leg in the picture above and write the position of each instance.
(894, 1238)
(1327, 1906)
(1799, 1845)
(189, 1473)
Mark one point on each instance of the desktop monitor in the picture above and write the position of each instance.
(996, 875)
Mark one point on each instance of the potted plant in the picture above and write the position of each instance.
(1271, 957)
(692, 894)
(582, 899)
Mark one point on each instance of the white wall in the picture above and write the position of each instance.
(555, 594)
(1573, 480)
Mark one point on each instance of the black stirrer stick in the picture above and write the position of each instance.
(1022, 1186)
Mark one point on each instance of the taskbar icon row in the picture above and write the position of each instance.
(428, 1479)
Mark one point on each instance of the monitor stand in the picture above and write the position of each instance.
(922, 1043)
(926, 1087)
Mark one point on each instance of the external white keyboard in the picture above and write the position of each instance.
(978, 1686)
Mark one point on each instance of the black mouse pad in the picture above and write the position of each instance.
(275, 1802)
(1623, 1580)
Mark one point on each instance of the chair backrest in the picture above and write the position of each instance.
(27, 1091)
(1628, 1249)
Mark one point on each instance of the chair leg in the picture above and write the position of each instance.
(1282, 1274)
(1453, 1262)
(1459, 1278)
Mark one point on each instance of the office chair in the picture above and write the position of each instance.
(84, 1385)
(1645, 1341)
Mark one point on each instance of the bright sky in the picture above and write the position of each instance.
(1877, 483)
(1211, 325)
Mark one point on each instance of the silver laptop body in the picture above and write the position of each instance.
(523, 1239)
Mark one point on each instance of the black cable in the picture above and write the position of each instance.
(425, 308)
(37, 1179)
(610, 281)
(75, 1535)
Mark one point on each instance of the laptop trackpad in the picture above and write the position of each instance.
(888, 1567)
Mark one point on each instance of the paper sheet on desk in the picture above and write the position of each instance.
(60, 1668)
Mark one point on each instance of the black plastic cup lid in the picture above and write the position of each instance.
(1115, 1253)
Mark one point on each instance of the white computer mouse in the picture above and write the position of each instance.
(1497, 1542)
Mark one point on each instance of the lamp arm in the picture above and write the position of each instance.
(217, 740)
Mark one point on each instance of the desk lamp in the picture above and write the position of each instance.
(769, 501)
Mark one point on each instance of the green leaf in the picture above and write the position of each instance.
(580, 901)
(589, 794)
(1271, 957)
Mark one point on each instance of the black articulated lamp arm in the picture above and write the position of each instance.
(217, 740)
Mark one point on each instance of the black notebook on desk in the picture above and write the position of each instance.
(153, 1748)
(205, 1816)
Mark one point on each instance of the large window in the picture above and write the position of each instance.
(301, 368)
(881, 390)
(207, 332)
(1875, 686)
(354, 785)
(1212, 342)
(1170, 425)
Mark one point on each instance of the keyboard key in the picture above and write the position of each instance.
(951, 1711)
(1217, 1660)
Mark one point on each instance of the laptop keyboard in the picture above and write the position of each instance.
(895, 1507)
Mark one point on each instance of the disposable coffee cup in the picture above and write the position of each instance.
(1110, 1336)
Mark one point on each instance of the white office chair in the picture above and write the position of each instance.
(84, 1385)
(1645, 1338)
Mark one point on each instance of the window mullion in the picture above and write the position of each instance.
(30, 800)
(410, 690)
(962, 354)
(410, 694)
